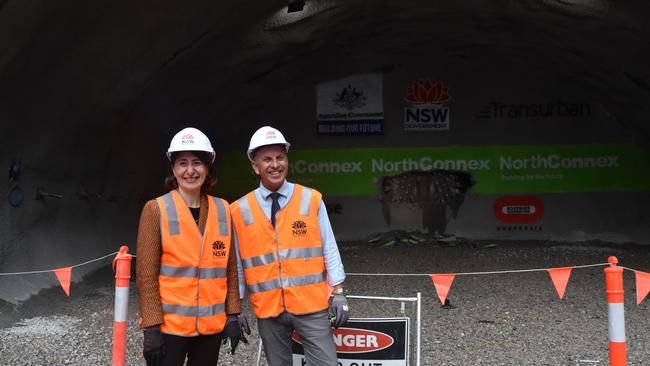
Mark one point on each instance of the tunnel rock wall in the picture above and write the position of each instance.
(91, 93)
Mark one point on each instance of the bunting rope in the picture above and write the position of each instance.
(353, 273)
(441, 281)
(53, 270)
(475, 273)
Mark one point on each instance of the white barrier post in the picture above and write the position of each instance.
(419, 328)
(122, 266)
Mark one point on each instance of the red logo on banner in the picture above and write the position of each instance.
(352, 340)
(518, 209)
(427, 92)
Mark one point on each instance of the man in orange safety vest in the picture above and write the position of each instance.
(287, 255)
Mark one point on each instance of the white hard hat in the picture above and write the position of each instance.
(264, 136)
(190, 139)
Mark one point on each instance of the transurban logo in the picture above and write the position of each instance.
(299, 228)
(218, 249)
(535, 110)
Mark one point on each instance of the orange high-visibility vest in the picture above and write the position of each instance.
(193, 267)
(283, 266)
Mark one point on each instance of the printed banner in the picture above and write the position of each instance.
(496, 169)
(371, 341)
(351, 106)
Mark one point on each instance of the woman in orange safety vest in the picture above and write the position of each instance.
(186, 271)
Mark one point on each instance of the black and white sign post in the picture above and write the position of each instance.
(366, 342)
(371, 341)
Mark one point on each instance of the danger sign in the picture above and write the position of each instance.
(365, 342)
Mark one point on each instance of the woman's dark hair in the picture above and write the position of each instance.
(210, 179)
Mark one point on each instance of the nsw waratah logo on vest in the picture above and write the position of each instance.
(299, 228)
(218, 249)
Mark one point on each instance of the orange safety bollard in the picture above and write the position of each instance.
(122, 267)
(616, 312)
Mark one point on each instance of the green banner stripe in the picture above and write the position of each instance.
(496, 169)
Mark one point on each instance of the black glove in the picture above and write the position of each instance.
(340, 310)
(234, 330)
(153, 347)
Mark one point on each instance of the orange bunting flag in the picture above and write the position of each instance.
(642, 286)
(442, 282)
(63, 274)
(560, 277)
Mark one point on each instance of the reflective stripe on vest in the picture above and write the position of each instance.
(193, 272)
(222, 215)
(193, 311)
(285, 282)
(172, 214)
(171, 271)
(284, 267)
(261, 260)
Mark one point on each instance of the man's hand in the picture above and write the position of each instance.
(153, 347)
(340, 310)
(234, 331)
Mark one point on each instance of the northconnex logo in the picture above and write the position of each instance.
(218, 249)
(299, 228)
(350, 98)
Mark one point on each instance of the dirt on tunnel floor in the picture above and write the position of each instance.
(498, 319)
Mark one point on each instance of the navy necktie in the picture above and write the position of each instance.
(275, 206)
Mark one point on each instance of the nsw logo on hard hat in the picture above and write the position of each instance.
(299, 228)
(353, 340)
(270, 134)
(187, 139)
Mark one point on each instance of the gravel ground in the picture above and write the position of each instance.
(502, 319)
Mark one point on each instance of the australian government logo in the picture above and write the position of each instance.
(350, 106)
(218, 249)
(299, 228)
(430, 108)
(350, 98)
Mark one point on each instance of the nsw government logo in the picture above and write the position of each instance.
(187, 139)
(218, 249)
(299, 228)
(429, 110)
